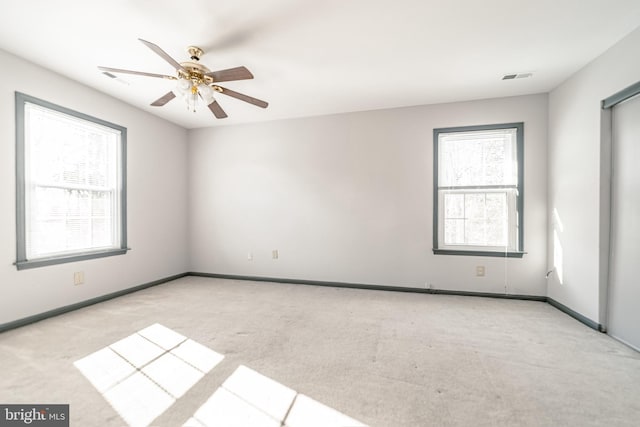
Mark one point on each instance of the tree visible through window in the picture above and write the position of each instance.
(478, 190)
(71, 194)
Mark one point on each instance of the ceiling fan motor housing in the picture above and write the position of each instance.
(195, 72)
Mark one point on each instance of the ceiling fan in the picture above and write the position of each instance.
(194, 81)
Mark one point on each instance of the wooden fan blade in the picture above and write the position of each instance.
(217, 110)
(163, 99)
(139, 73)
(238, 73)
(164, 55)
(242, 97)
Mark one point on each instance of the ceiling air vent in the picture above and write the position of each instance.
(516, 76)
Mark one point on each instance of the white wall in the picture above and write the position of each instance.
(157, 199)
(574, 172)
(348, 198)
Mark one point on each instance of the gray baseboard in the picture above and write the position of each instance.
(590, 323)
(61, 310)
(369, 286)
(585, 320)
(67, 308)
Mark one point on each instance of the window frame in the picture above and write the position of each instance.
(22, 262)
(485, 251)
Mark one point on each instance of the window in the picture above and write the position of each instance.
(70, 179)
(478, 190)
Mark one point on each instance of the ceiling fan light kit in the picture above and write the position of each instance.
(194, 81)
(190, 91)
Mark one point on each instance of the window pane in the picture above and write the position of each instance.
(101, 203)
(77, 233)
(101, 232)
(497, 219)
(474, 205)
(453, 206)
(476, 218)
(494, 159)
(475, 232)
(454, 232)
(496, 205)
(477, 158)
(459, 162)
(64, 220)
(71, 184)
(496, 233)
(63, 151)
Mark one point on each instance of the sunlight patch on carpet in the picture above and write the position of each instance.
(142, 375)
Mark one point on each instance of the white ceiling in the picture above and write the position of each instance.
(319, 57)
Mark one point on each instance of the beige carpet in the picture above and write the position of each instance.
(200, 351)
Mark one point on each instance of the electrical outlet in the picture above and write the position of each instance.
(249, 256)
(78, 278)
(274, 254)
(480, 271)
